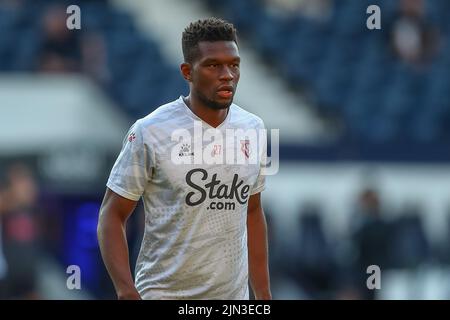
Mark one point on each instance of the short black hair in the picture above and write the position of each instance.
(210, 29)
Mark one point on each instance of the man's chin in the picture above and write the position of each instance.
(220, 105)
(216, 103)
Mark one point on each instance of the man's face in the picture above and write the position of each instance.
(215, 73)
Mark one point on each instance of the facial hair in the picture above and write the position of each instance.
(213, 104)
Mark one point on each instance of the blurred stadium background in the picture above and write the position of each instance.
(364, 119)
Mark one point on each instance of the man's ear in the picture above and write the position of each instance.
(186, 69)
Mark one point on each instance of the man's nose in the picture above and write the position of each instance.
(226, 74)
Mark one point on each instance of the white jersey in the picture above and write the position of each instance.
(195, 239)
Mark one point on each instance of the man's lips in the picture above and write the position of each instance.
(225, 92)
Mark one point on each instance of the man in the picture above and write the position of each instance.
(198, 216)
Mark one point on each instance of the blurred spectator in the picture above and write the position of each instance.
(65, 50)
(20, 233)
(314, 264)
(413, 37)
(370, 238)
(409, 244)
(94, 58)
(61, 47)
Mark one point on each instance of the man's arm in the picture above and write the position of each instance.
(111, 233)
(257, 249)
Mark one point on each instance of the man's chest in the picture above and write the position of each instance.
(207, 170)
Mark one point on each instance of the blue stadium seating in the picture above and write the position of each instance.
(353, 73)
(138, 70)
(350, 71)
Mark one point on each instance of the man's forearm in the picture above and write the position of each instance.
(258, 254)
(114, 249)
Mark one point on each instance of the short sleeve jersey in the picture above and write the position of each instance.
(195, 185)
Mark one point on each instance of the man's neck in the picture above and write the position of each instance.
(213, 117)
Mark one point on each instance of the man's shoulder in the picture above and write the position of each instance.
(246, 117)
(161, 115)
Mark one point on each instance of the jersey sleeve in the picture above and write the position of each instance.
(133, 167)
(260, 183)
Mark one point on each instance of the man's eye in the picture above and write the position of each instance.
(212, 65)
(235, 65)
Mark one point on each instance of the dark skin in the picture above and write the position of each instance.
(216, 68)
(213, 79)
(258, 249)
(114, 213)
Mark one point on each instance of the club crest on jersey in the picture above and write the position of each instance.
(185, 150)
(245, 147)
(132, 137)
